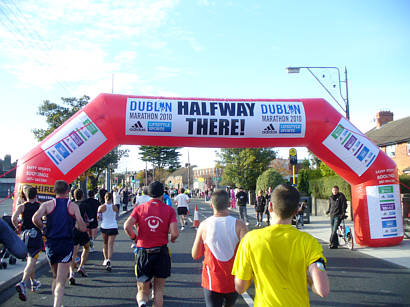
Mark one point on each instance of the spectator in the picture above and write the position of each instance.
(337, 210)
(260, 208)
(242, 200)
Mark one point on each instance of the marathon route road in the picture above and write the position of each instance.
(355, 279)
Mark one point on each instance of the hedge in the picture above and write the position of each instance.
(404, 184)
(322, 187)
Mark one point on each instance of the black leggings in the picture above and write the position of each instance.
(215, 299)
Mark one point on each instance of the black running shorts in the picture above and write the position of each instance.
(110, 231)
(182, 210)
(80, 238)
(156, 264)
(33, 240)
(59, 251)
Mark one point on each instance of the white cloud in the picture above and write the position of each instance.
(75, 43)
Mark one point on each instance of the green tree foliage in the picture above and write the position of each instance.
(322, 187)
(161, 157)
(243, 166)
(326, 171)
(303, 181)
(305, 164)
(269, 178)
(57, 114)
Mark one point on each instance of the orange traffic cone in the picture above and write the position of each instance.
(196, 218)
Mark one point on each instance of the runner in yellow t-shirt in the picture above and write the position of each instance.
(280, 259)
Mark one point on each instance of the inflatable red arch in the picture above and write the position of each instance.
(110, 120)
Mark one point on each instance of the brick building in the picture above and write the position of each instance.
(393, 137)
(207, 178)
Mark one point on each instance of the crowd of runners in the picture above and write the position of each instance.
(280, 260)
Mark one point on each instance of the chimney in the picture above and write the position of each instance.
(383, 117)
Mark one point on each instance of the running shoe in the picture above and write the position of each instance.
(182, 228)
(35, 285)
(108, 266)
(71, 280)
(104, 262)
(82, 272)
(21, 290)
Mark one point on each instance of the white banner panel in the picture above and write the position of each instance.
(79, 138)
(385, 216)
(352, 147)
(207, 118)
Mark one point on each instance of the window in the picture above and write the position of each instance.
(408, 148)
(391, 151)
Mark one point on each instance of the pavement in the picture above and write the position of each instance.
(318, 227)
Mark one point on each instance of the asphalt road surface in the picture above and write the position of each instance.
(355, 279)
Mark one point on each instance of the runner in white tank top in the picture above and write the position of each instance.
(109, 228)
(109, 217)
(217, 239)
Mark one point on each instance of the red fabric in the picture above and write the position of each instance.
(153, 219)
(216, 275)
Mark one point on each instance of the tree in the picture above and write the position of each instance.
(326, 171)
(57, 114)
(315, 160)
(269, 178)
(282, 167)
(303, 181)
(242, 166)
(161, 157)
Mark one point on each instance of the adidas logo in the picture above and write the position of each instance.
(269, 130)
(137, 127)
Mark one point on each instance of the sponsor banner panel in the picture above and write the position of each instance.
(352, 147)
(44, 191)
(385, 216)
(73, 143)
(207, 118)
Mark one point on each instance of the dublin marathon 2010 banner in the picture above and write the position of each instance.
(111, 120)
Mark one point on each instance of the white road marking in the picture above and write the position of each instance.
(248, 300)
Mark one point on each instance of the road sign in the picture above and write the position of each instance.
(293, 158)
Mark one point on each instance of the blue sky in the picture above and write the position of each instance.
(236, 49)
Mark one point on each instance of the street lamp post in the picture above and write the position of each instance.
(296, 70)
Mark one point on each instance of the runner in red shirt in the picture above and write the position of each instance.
(153, 220)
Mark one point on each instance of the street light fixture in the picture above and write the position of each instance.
(296, 70)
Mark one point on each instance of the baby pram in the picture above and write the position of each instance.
(10, 243)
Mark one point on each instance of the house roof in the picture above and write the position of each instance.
(394, 132)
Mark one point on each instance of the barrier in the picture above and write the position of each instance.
(110, 120)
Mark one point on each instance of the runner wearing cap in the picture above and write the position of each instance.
(153, 220)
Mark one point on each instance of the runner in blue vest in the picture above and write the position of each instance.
(61, 216)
